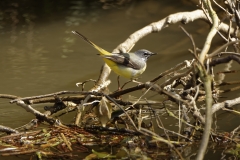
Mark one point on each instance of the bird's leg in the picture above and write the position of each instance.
(119, 87)
(118, 79)
(125, 84)
(132, 80)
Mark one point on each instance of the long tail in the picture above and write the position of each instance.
(102, 51)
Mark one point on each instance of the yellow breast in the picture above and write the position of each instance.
(124, 71)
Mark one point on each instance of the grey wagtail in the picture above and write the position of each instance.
(128, 65)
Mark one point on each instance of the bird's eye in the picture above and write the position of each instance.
(145, 54)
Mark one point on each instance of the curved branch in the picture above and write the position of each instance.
(227, 103)
(184, 17)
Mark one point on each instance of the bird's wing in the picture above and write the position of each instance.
(123, 59)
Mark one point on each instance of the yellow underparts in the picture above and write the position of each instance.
(124, 71)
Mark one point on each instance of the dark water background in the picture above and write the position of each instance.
(40, 55)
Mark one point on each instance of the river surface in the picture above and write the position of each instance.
(40, 55)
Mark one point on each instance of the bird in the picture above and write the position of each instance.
(127, 65)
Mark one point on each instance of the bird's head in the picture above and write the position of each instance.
(144, 54)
